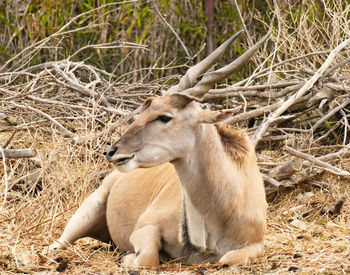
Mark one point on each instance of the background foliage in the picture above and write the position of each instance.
(22, 23)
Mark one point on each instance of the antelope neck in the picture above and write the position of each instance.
(206, 174)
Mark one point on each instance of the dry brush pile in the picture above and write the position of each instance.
(57, 118)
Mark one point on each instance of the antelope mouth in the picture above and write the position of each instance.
(122, 159)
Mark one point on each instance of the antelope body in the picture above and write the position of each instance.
(184, 185)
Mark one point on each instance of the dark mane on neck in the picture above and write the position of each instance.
(236, 143)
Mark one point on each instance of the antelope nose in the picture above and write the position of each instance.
(110, 152)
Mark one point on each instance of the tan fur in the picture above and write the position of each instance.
(212, 174)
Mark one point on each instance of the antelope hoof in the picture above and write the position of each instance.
(53, 249)
(233, 259)
(129, 261)
(146, 260)
(55, 246)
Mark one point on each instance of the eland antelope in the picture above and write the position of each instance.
(186, 186)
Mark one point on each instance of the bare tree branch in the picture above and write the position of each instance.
(306, 87)
(172, 30)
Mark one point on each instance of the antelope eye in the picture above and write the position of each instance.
(164, 119)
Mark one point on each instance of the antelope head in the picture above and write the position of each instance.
(165, 128)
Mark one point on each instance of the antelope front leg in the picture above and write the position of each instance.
(241, 256)
(146, 242)
(89, 220)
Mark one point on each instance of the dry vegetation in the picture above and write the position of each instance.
(295, 101)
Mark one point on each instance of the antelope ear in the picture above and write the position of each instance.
(181, 99)
(146, 104)
(216, 116)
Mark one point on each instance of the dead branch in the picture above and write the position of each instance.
(288, 169)
(294, 180)
(321, 164)
(54, 121)
(271, 181)
(172, 30)
(324, 118)
(338, 87)
(250, 41)
(335, 209)
(269, 86)
(342, 153)
(9, 140)
(5, 118)
(17, 153)
(33, 178)
(251, 91)
(261, 111)
(306, 87)
(254, 113)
